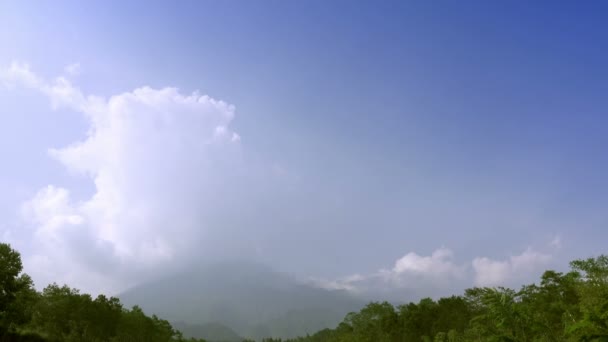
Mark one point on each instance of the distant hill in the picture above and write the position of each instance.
(212, 332)
(249, 298)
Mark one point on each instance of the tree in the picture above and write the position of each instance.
(503, 318)
(16, 288)
(376, 322)
(452, 313)
(418, 320)
(551, 305)
(593, 292)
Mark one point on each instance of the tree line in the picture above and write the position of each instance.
(570, 306)
(61, 313)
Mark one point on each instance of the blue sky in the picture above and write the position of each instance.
(367, 131)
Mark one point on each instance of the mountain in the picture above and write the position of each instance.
(213, 332)
(249, 298)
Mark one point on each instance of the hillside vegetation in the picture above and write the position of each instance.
(562, 307)
(570, 306)
(60, 313)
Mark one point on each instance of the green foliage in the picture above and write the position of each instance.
(61, 313)
(562, 307)
(593, 294)
(16, 289)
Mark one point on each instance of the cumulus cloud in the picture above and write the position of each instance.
(490, 272)
(412, 275)
(168, 176)
(156, 158)
(417, 276)
(438, 264)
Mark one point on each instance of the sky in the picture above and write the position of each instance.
(394, 148)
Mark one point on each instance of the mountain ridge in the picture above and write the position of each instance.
(251, 299)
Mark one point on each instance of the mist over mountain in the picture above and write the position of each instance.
(249, 298)
(209, 331)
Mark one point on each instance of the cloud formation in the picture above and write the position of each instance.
(155, 157)
(439, 263)
(168, 176)
(489, 272)
(438, 274)
(412, 275)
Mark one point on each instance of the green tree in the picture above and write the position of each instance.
(377, 322)
(418, 320)
(17, 293)
(452, 313)
(502, 317)
(551, 305)
(593, 293)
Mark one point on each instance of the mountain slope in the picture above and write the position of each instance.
(249, 298)
(212, 332)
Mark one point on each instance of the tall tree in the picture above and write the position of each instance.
(593, 292)
(16, 288)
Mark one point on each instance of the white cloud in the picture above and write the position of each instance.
(425, 275)
(73, 69)
(155, 157)
(556, 242)
(60, 91)
(489, 272)
(348, 283)
(437, 264)
(412, 275)
(416, 276)
(161, 163)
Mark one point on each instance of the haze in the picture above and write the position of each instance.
(391, 150)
